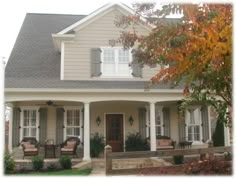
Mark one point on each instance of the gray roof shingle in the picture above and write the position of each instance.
(34, 62)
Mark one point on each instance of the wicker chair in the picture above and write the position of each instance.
(30, 146)
(69, 146)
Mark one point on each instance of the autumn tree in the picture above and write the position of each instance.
(194, 50)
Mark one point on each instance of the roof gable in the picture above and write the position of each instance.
(96, 14)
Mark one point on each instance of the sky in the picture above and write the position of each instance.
(12, 14)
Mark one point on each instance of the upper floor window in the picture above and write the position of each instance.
(115, 62)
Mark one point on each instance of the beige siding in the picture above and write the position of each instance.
(94, 35)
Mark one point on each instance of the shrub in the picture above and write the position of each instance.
(134, 142)
(218, 136)
(96, 145)
(228, 156)
(9, 163)
(37, 163)
(65, 162)
(178, 159)
(209, 167)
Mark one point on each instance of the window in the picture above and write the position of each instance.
(158, 120)
(193, 125)
(29, 123)
(115, 62)
(72, 123)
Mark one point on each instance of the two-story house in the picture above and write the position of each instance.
(65, 77)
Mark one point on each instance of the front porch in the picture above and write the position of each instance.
(63, 119)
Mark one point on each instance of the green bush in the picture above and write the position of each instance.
(178, 159)
(134, 142)
(218, 136)
(96, 145)
(37, 163)
(65, 162)
(9, 163)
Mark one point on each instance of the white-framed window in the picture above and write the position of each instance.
(193, 125)
(115, 62)
(29, 122)
(159, 121)
(73, 122)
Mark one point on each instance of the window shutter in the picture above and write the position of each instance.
(137, 68)
(60, 126)
(205, 124)
(95, 62)
(43, 125)
(16, 127)
(142, 122)
(182, 126)
(166, 121)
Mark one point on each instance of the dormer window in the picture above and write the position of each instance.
(115, 62)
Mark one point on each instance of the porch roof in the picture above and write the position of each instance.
(89, 84)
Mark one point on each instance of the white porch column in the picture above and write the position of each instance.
(226, 135)
(10, 108)
(152, 127)
(86, 132)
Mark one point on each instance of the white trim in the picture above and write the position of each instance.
(71, 90)
(65, 119)
(22, 108)
(87, 131)
(209, 121)
(152, 127)
(105, 123)
(62, 59)
(160, 111)
(200, 126)
(96, 13)
(116, 62)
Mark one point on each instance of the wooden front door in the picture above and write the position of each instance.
(114, 131)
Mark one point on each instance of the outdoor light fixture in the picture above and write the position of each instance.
(98, 120)
(131, 120)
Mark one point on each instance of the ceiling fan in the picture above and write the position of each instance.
(49, 103)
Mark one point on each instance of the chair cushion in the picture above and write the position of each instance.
(25, 143)
(29, 146)
(31, 149)
(164, 142)
(70, 144)
(67, 149)
(165, 147)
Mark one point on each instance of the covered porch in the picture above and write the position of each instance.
(151, 115)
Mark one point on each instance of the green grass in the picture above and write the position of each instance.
(59, 173)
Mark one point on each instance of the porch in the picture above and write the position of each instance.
(63, 119)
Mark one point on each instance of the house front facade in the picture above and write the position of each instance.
(67, 77)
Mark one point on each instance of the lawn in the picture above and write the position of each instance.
(59, 173)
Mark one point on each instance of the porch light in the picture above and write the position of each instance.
(131, 120)
(98, 120)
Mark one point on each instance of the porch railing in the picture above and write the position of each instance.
(109, 156)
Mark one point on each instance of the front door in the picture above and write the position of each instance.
(114, 131)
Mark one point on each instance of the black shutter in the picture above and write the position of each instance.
(205, 123)
(142, 122)
(59, 126)
(166, 121)
(95, 62)
(137, 68)
(16, 127)
(43, 125)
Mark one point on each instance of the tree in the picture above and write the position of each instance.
(194, 50)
